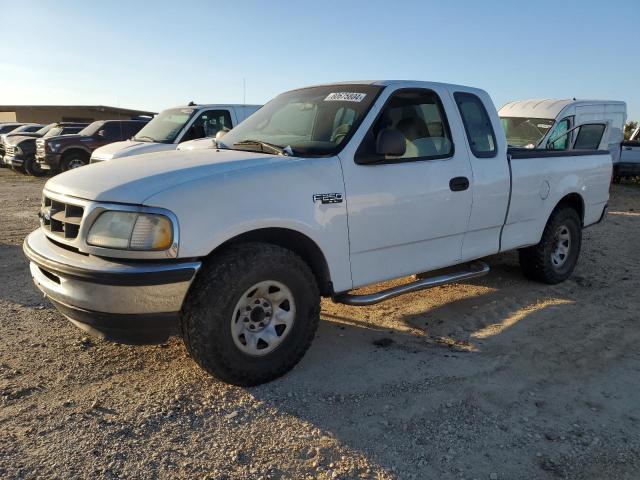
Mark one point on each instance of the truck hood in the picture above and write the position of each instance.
(6, 136)
(130, 147)
(64, 138)
(134, 179)
(20, 140)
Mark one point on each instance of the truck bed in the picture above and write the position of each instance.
(518, 152)
(537, 186)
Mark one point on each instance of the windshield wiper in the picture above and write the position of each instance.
(145, 136)
(286, 151)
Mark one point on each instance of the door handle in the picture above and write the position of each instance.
(627, 148)
(458, 184)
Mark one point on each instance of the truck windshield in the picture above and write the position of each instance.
(525, 132)
(315, 121)
(45, 129)
(91, 129)
(52, 132)
(166, 126)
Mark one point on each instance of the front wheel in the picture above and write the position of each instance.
(555, 257)
(251, 313)
(73, 160)
(32, 167)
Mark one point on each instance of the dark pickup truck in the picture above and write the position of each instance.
(72, 151)
(20, 151)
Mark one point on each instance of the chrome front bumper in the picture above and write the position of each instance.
(125, 301)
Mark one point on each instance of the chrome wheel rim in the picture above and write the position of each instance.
(263, 317)
(75, 163)
(562, 240)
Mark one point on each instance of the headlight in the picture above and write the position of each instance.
(131, 231)
(18, 151)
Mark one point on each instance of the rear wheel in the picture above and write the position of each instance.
(555, 257)
(74, 160)
(251, 313)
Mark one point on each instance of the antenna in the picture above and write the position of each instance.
(244, 91)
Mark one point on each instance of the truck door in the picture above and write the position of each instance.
(408, 213)
(491, 175)
(631, 152)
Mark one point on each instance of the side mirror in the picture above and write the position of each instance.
(101, 133)
(221, 133)
(391, 142)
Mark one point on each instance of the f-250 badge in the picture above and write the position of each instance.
(327, 198)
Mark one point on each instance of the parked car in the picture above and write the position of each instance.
(7, 127)
(27, 128)
(565, 124)
(72, 151)
(21, 150)
(324, 190)
(629, 164)
(176, 125)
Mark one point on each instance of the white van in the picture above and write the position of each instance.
(565, 124)
(176, 125)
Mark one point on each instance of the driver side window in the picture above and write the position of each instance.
(208, 124)
(112, 131)
(561, 141)
(419, 116)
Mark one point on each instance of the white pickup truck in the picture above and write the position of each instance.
(629, 164)
(173, 126)
(323, 190)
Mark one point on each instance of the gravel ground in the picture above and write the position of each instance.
(499, 378)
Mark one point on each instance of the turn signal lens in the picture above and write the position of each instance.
(131, 231)
(151, 232)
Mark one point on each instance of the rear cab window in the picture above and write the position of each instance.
(589, 137)
(477, 125)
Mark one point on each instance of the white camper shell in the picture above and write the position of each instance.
(544, 123)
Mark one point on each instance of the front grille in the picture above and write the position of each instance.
(61, 219)
(10, 150)
(40, 148)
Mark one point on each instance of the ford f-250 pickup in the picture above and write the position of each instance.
(323, 190)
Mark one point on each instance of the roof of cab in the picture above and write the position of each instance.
(217, 105)
(547, 107)
(388, 83)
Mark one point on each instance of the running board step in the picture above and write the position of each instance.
(475, 270)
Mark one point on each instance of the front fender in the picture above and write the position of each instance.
(71, 148)
(215, 209)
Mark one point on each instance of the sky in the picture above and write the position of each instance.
(151, 55)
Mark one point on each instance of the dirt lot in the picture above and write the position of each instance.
(499, 378)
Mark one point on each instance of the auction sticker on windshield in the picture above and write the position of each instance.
(345, 97)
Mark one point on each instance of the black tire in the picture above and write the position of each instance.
(31, 167)
(537, 262)
(73, 160)
(206, 320)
